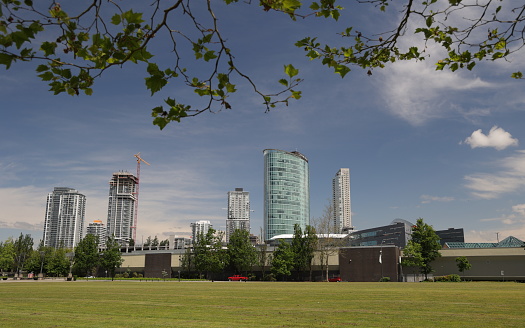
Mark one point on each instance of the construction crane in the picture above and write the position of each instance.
(135, 219)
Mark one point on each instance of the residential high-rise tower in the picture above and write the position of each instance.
(64, 221)
(286, 192)
(238, 211)
(121, 206)
(199, 228)
(97, 228)
(342, 209)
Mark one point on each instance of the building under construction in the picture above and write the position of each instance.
(122, 206)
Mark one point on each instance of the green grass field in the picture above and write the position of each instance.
(260, 304)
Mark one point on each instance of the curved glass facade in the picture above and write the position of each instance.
(286, 192)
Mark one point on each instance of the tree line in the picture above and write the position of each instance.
(210, 256)
(289, 260)
(18, 256)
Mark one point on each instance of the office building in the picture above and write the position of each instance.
(342, 209)
(97, 228)
(238, 212)
(121, 206)
(64, 221)
(199, 228)
(397, 233)
(286, 192)
(451, 235)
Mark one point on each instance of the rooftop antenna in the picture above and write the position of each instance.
(497, 236)
(136, 216)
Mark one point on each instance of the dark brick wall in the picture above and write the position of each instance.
(155, 264)
(362, 263)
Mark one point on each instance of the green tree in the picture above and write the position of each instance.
(283, 260)
(242, 256)
(58, 264)
(72, 49)
(423, 248)
(209, 257)
(164, 243)
(187, 263)
(111, 257)
(34, 261)
(463, 264)
(7, 255)
(23, 247)
(303, 247)
(86, 258)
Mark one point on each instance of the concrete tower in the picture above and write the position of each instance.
(342, 209)
(238, 211)
(121, 206)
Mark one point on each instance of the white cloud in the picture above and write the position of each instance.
(417, 93)
(510, 178)
(496, 138)
(425, 199)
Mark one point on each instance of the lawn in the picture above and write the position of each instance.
(260, 304)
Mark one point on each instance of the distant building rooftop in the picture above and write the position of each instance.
(510, 241)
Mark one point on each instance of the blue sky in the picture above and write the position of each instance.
(447, 147)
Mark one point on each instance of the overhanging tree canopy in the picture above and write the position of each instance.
(77, 43)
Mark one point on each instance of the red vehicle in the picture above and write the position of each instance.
(237, 277)
(335, 279)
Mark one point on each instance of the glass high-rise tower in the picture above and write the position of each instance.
(65, 210)
(286, 192)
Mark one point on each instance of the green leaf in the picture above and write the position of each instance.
(47, 76)
(290, 70)
(48, 48)
(296, 94)
(342, 70)
(155, 83)
(209, 55)
(161, 122)
(132, 18)
(314, 6)
(429, 21)
(116, 19)
(42, 68)
(283, 82)
(6, 60)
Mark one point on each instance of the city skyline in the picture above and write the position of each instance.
(444, 146)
